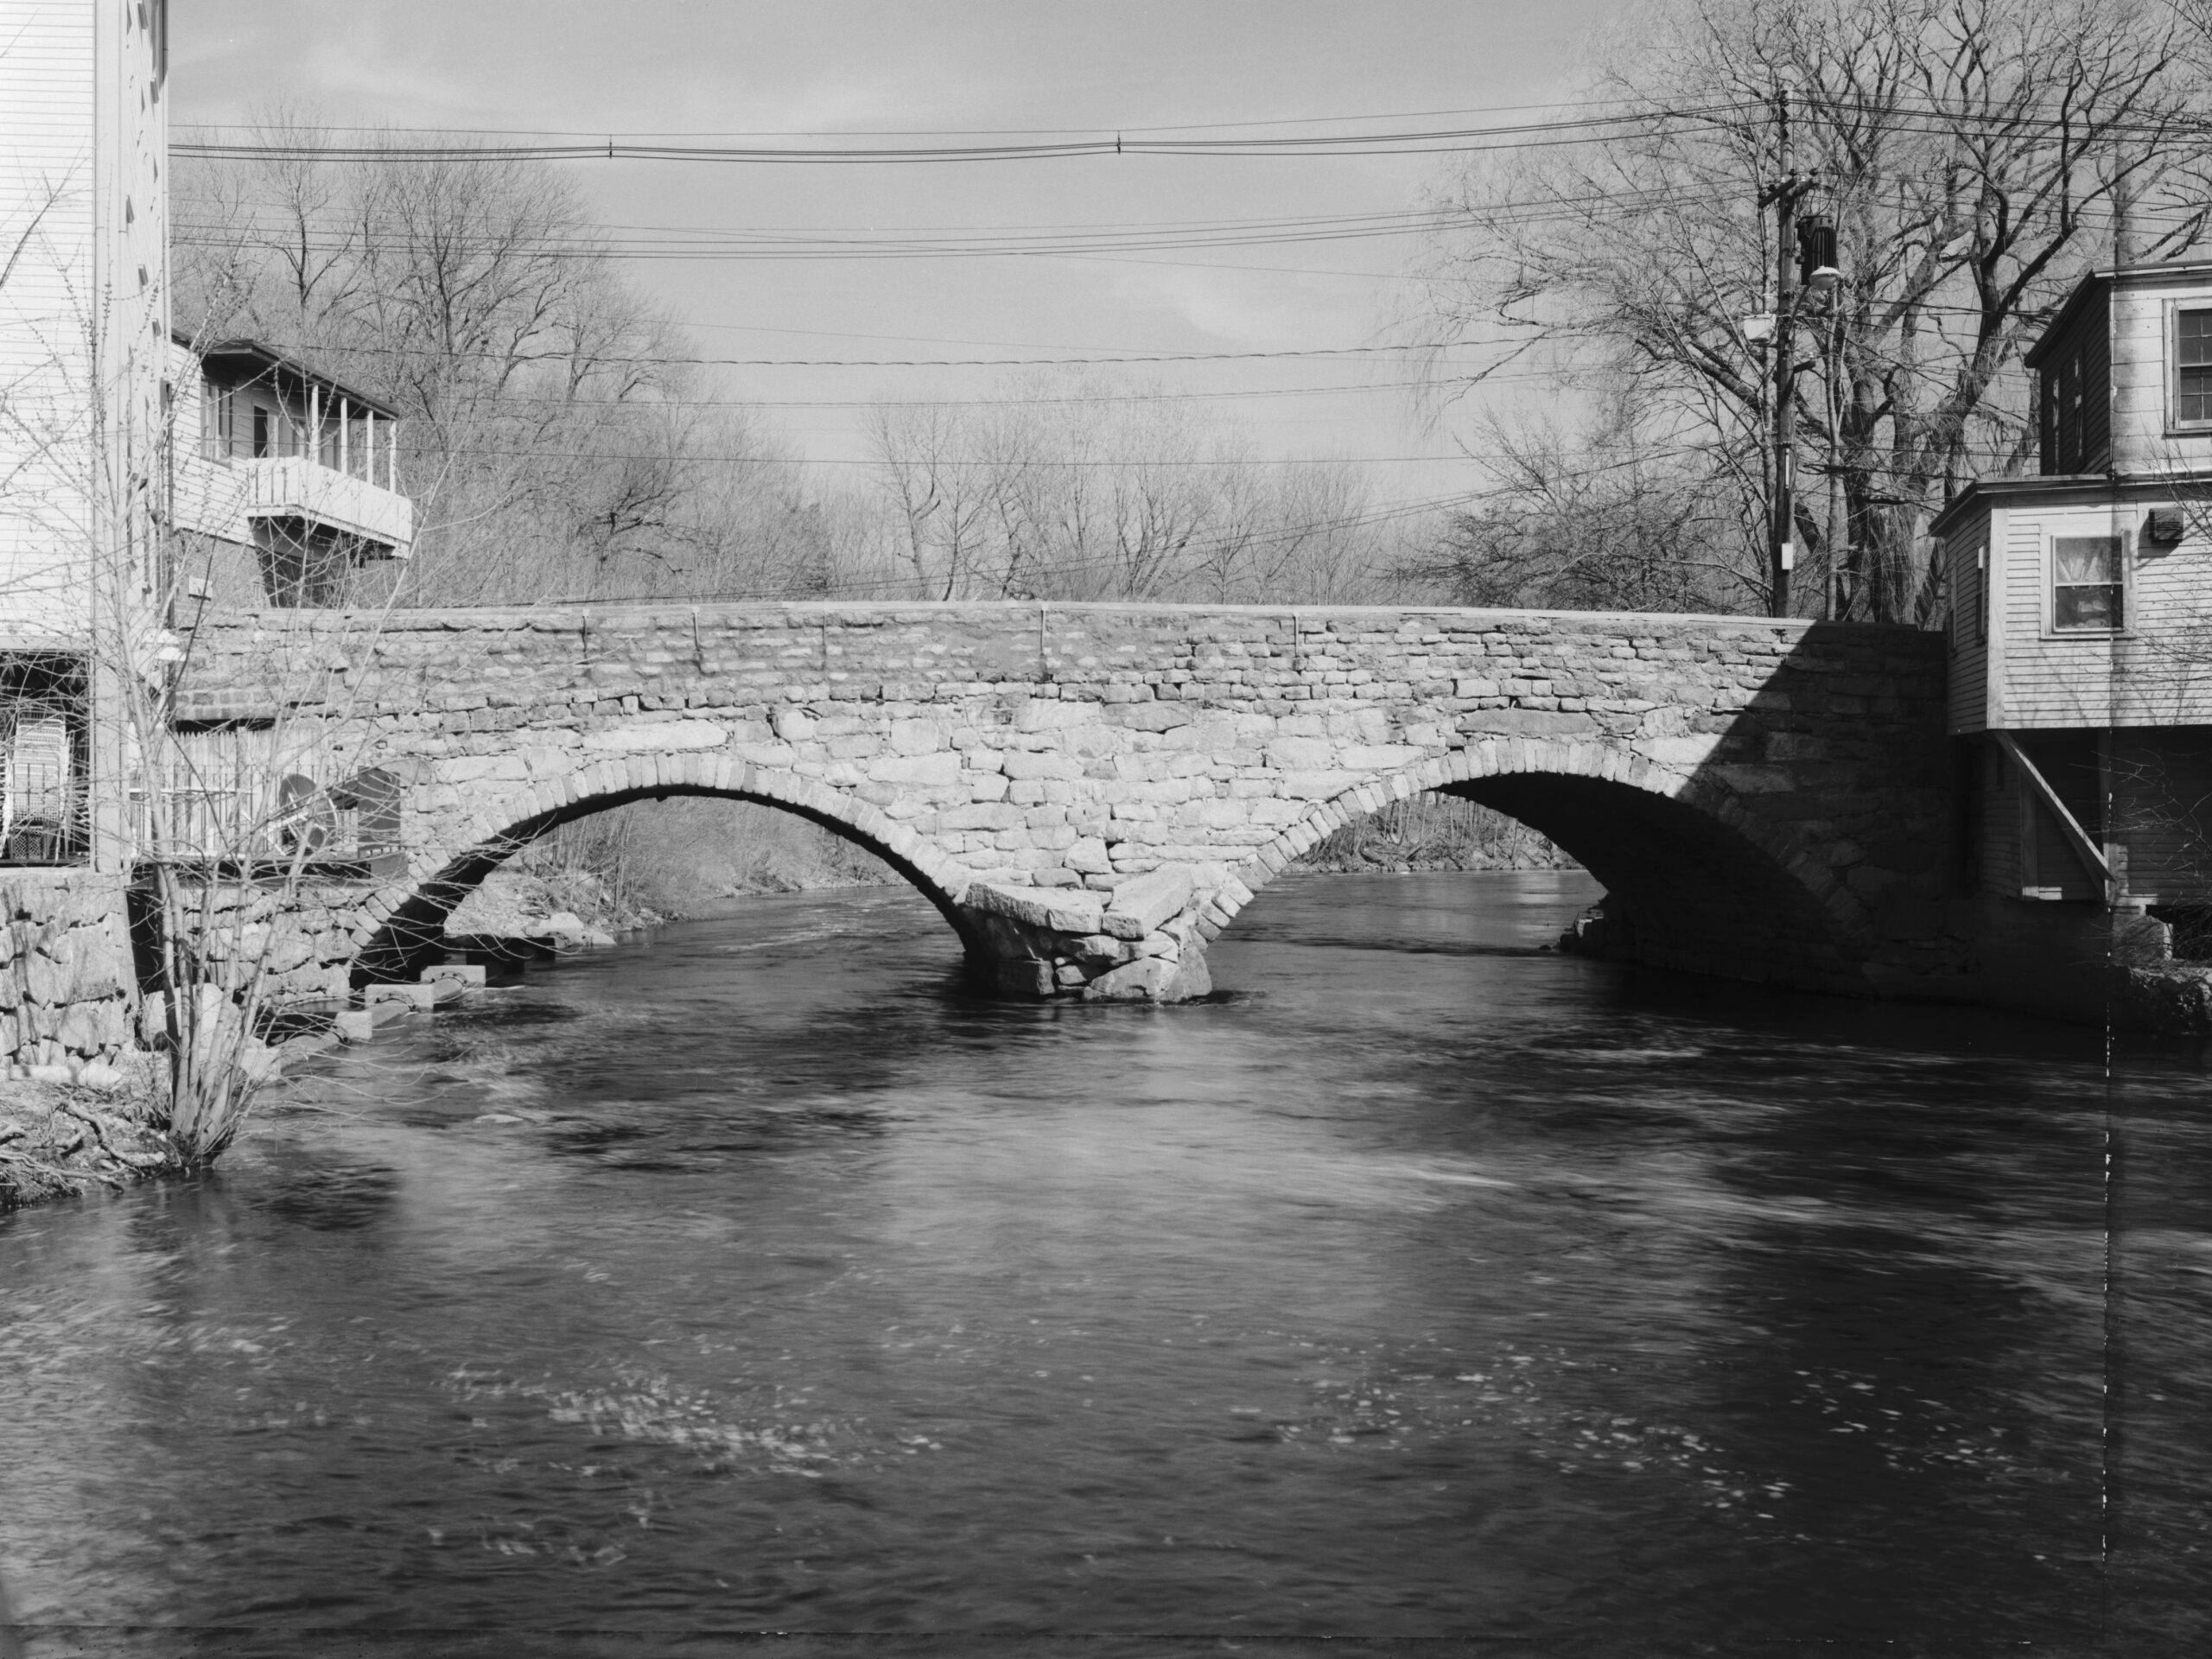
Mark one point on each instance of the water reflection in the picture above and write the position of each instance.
(1422, 1285)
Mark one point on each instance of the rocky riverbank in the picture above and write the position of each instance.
(58, 1140)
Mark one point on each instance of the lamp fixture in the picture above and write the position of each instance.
(1816, 259)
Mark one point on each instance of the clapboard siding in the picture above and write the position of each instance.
(1967, 581)
(84, 314)
(2096, 398)
(2138, 380)
(2050, 680)
(47, 203)
(2027, 676)
(2141, 370)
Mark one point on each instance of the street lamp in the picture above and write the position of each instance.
(1817, 269)
(1816, 263)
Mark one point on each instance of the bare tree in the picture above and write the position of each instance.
(1596, 520)
(558, 439)
(1087, 485)
(1976, 156)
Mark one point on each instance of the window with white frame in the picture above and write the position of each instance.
(2193, 366)
(2088, 584)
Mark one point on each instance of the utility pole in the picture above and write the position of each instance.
(1806, 250)
(1781, 553)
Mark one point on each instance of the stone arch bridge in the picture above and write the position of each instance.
(1090, 793)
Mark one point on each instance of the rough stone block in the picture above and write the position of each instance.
(1023, 977)
(940, 770)
(92, 1027)
(1301, 754)
(1143, 904)
(1153, 716)
(1060, 911)
(424, 995)
(1100, 949)
(1152, 979)
(1378, 757)
(658, 734)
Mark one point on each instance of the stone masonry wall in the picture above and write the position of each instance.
(1765, 798)
(66, 981)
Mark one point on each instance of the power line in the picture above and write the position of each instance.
(613, 147)
(944, 461)
(444, 353)
(332, 234)
(951, 133)
(436, 145)
(677, 406)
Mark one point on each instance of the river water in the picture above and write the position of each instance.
(1421, 1284)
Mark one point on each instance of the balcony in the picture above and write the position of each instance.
(297, 487)
(286, 456)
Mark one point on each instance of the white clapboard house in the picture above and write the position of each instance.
(145, 479)
(84, 349)
(285, 482)
(2080, 615)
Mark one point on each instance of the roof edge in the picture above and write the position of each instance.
(279, 361)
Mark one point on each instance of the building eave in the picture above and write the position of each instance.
(2060, 487)
(2097, 284)
(280, 364)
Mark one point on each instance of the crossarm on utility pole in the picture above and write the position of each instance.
(2091, 855)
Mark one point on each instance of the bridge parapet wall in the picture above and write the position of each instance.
(1019, 746)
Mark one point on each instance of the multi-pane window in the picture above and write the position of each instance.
(2087, 582)
(44, 740)
(2192, 367)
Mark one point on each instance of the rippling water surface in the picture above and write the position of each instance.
(1421, 1285)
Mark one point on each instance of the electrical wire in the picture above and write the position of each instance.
(428, 148)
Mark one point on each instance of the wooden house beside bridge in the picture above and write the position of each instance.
(2080, 616)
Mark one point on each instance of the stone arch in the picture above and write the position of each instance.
(1695, 879)
(398, 924)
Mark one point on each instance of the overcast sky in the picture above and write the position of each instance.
(843, 69)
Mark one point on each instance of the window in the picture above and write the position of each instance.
(215, 421)
(44, 744)
(2193, 368)
(2087, 583)
(2068, 390)
(260, 433)
(1981, 593)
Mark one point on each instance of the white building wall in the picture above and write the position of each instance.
(83, 310)
(2156, 671)
(1967, 579)
(209, 496)
(2143, 439)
